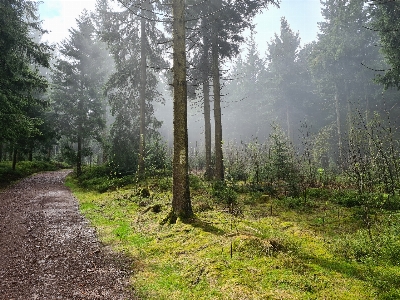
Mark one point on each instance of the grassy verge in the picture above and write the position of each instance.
(256, 248)
(23, 169)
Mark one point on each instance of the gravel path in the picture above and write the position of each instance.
(48, 250)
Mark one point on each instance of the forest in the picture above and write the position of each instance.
(185, 140)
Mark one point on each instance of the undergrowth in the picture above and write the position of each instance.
(24, 169)
(246, 244)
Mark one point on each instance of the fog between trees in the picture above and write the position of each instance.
(112, 85)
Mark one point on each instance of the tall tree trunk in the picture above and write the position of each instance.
(206, 94)
(350, 124)
(143, 79)
(181, 204)
(14, 157)
(10, 152)
(1, 151)
(338, 125)
(219, 165)
(30, 158)
(289, 131)
(79, 155)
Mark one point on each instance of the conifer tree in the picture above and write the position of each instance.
(21, 84)
(282, 68)
(342, 61)
(133, 39)
(78, 78)
(387, 24)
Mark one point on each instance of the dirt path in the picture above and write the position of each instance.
(47, 249)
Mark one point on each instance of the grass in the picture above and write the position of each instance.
(23, 169)
(297, 252)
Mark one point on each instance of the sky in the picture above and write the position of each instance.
(302, 15)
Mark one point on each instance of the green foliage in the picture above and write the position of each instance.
(157, 158)
(224, 193)
(195, 182)
(384, 248)
(21, 83)
(77, 97)
(293, 203)
(165, 184)
(24, 169)
(347, 198)
(102, 178)
(122, 26)
(386, 23)
(217, 256)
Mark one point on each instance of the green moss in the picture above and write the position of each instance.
(221, 254)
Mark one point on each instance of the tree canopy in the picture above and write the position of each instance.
(21, 83)
(78, 77)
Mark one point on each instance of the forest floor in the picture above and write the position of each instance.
(258, 248)
(49, 251)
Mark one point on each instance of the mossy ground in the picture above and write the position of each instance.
(237, 252)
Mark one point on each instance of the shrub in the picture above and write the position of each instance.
(23, 169)
(165, 184)
(347, 198)
(224, 193)
(384, 248)
(195, 182)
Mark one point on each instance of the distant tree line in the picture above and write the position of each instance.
(328, 83)
(107, 75)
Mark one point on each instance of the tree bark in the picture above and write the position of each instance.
(219, 165)
(289, 130)
(14, 157)
(30, 158)
(206, 94)
(338, 125)
(79, 155)
(181, 204)
(142, 91)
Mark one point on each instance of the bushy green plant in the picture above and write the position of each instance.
(347, 198)
(319, 193)
(165, 184)
(96, 171)
(224, 193)
(293, 202)
(157, 157)
(23, 169)
(383, 248)
(195, 182)
(236, 162)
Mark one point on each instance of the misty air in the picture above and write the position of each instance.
(199, 149)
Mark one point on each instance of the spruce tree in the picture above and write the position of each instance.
(78, 77)
(21, 84)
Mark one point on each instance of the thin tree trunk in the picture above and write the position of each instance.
(289, 132)
(79, 155)
(181, 204)
(30, 158)
(10, 152)
(143, 79)
(367, 120)
(14, 157)
(219, 166)
(339, 133)
(206, 94)
(349, 116)
(1, 151)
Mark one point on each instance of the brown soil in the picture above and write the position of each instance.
(49, 251)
